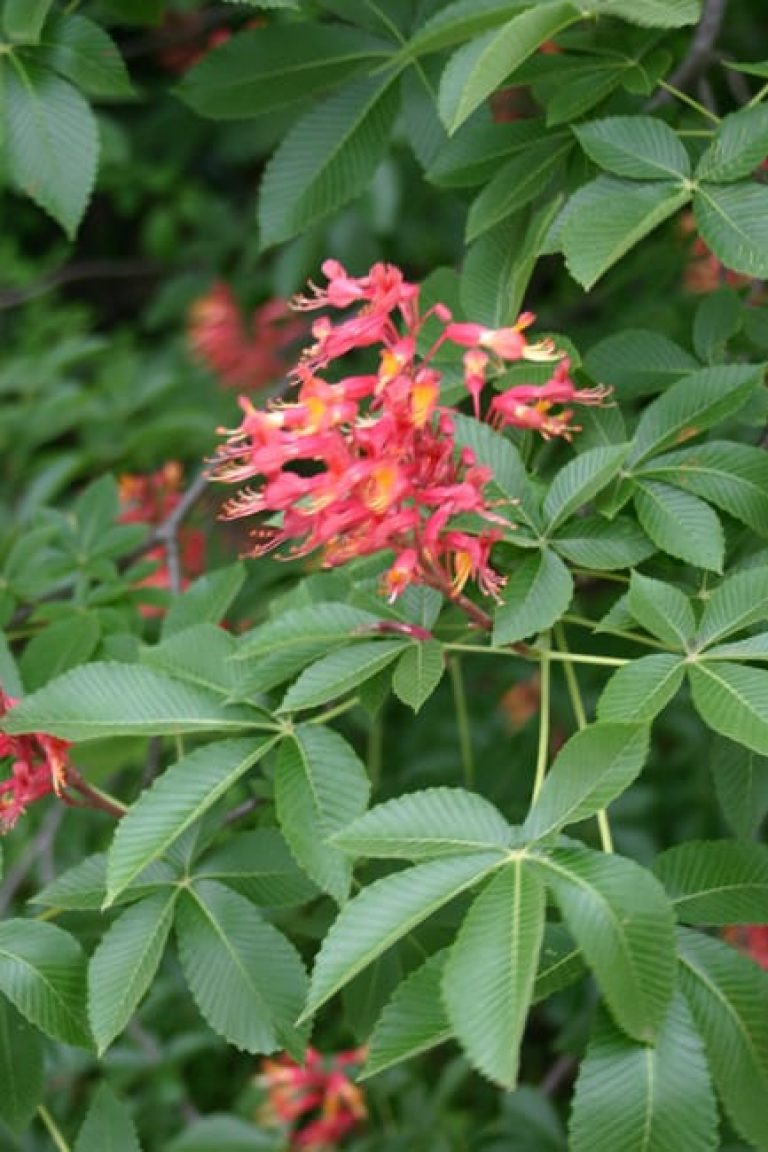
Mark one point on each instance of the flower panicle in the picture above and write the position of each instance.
(317, 1100)
(359, 464)
(38, 767)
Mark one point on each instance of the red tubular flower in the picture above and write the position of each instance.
(38, 767)
(318, 1095)
(369, 463)
(750, 938)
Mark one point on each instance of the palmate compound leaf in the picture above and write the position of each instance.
(108, 1127)
(320, 786)
(418, 672)
(386, 911)
(52, 141)
(662, 609)
(459, 22)
(680, 524)
(652, 13)
(426, 824)
(43, 972)
(258, 865)
(174, 802)
(632, 1097)
(733, 221)
(496, 954)
(637, 692)
(727, 994)
(111, 699)
(732, 699)
(81, 51)
(83, 887)
(639, 147)
(580, 480)
(124, 964)
(327, 158)
(536, 595)
(738, 147)
(592, 769)
(21, 1068)
(621, 919)
(340, 672)
(247, 980)
(740, 777)
(482, 65)
(716, 882)
(414, 1020)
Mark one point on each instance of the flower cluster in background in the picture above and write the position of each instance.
(38, 767)
(368, 462)
(149, 498)
(316, 1100)
(752, 939)
(243, 354)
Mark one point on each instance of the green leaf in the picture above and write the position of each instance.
(733, 477)
(110, 699)
(595, 766)
(386, 911)
(727, 994)
(426, 824)
(225, 1133)
(82, 52)
(732, 700)
(738, 147)
(493, 450)
(637, 362)
(124, 964)
(639, 691)
(58, 648)
(9, 672)
(561, 963)
(741, 782)
(662, 609)
(536, 595)
(740, 601)
(716, 882)
(52, 143)
(718, 318)
(262, 69)
(496, 954)
(631, 1097)
(202, 655)
(638, 147)
(733, 221)
(751, 648)
(680, 524)
(622, 921)
(205, 601)
(474, 153)
(42, 971)
(517, 183)
(320, 786)
(339, 673)
(108, 1127)
(482, 65)
(600, 231)
(247, 980)
(323, 624)
(414, 1020)
(83, 888)
(260, 867)
(23, 19)
(692, 405)
(21, 1069)
(580, 480)
(418, 673)
(498, 268)
(457, 23)
(603, 544)
(652, 13)
(174, 802)
(327, 158)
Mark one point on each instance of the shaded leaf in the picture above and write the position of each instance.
(716, 882)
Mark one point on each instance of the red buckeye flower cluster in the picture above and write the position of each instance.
(368, 462)
(752, 939)
(317, 1098)
(241, 355)
(38, 767)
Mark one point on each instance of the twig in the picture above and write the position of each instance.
(699, 52)
(71, 273)
(241, 810)
(166, 533)
(39, 843)
(559, 1074)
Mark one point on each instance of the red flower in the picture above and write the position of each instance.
(38, 767)
(241, 355)
(750, 938)
(318, 1094)
(369, 463)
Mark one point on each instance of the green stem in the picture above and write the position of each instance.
(542, 754)
(538, 654)
(53, 1129)
(462, 720)
(635, 637)
(689, 100)
(579, 711)
(584, 658)
(760, 95)
(337, 710)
